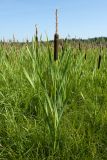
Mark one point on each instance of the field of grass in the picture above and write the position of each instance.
(53, 110)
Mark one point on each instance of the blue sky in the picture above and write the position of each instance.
(78, 18)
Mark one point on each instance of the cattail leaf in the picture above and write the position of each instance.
(28, 78)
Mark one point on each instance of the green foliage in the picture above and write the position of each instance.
(53, 110)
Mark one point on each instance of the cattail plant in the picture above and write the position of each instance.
(56, 38)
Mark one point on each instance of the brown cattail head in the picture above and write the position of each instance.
(56, 38)
(101, 48)
(36, 33)
(100, 56)
(79, 46)
(86, 48)
(99, 61)
(85, 56)
(36, 38)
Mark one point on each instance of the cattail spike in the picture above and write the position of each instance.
(56, 38)
(13, 38)
(56, 21)
(36, 30)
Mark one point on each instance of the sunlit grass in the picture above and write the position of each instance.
(52, 110)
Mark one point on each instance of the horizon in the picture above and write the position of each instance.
(14, 40)
(81, 19)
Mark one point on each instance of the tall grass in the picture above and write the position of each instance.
(52, 110)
